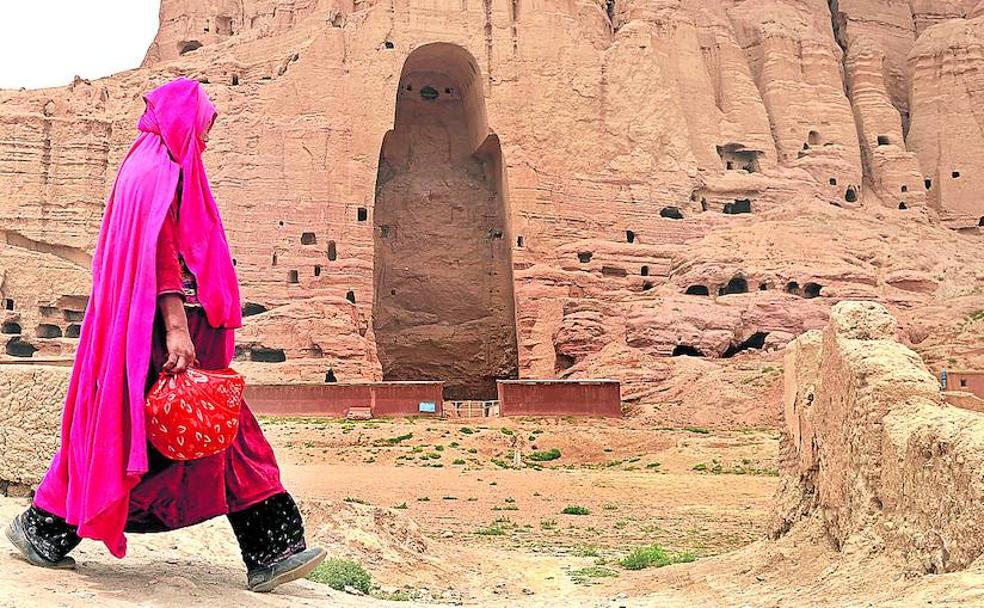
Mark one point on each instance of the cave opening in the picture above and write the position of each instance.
(584, 256)
(793, 287)
(262, 354)
(10, 328)
(741, 205)
(812, 290)
(252, 308)
(735, 285)
(754, 342)
(46, 330)
(191, 45)
(332, 251)
(73, 331)
(851, 195)
(630, 236)
(20, 348)
(884, 140)
(644, 271)
(685, 350)
(292, 277)
(672, 213)
(8, 304)
(441, 187)
(308, 238)
(903, 206)
(698, 290)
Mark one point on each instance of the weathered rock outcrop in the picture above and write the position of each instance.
(615, 181)
(31, 400)
(871, 449)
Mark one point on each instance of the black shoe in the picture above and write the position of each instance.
(18, 537)
(292, 568)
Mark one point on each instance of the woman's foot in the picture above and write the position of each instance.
(18, 537)
(292, 568)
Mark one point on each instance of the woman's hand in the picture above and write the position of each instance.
(180, 351)
(180, 348)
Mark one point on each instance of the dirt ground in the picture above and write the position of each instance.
(435, 509)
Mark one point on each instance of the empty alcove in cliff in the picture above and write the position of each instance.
(584, 256)
(740, 206)
(644, 271)
(350, 296)
(685, 350)
(905, 188)
(519, 241)
(441, 188)
(851, 195)
(309, 238)
(980, 222)
(10, 328)
(833, 181)
(613, 271)
(884, 140)
(73, 331)
(672, 213)
(361, 214)
(292, 277)
(793, 287)
(698, 290)
(317, 270)
(261, 354)
(735, 285)
(812, 290)
(737, 157)
(189, 46)
(252, 308)
(330, 376)
(20, 348)
(332, 251)
(647, 285)
(273, 259)
(8, 304)
(814, 138)
(955, 175)
(756, 341)
(903, 206)
(563, 362)
(46, 330)
(928, 182)
(235, 80)
(630, 236)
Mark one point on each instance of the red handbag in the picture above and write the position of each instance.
(194, 414)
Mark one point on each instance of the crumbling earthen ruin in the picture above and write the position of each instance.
(515, 190)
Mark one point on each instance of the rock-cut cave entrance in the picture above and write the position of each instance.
(443, 307)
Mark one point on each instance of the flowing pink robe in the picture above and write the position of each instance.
(103, 453)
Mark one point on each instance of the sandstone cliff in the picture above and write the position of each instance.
(560, 188)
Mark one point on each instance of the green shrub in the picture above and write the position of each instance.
(697, 429)
(341, 573)
(467, 430)
(545, 455)
(354, 500)
(653, 555)
(576, 510)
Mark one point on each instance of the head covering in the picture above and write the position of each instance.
(103, 451)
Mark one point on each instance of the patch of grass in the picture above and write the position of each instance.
(548, 524)
(341, 573)
(393, 440)
(449, 498)
(402, 505)
(458, 461)
(653, 556)
(697, 429)
(506, 431)
(500, 463)
(977, 315)
(583, 575)
(352, 499)
(610, 507)
(576, 510)
(467, 430)
(496, 528)
(653, 465)
(423, 499)
(587, 551)
(545, 455)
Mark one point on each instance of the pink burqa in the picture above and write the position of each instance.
(103, 450)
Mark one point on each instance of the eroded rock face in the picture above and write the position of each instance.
(563, 186)
(31, 399)
(871, 449)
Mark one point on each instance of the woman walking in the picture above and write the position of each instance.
(164, 298)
